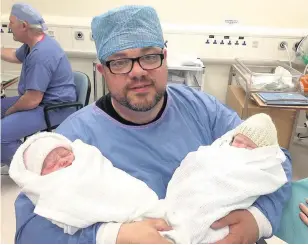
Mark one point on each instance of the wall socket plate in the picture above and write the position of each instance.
(282, 45)
(79, 35)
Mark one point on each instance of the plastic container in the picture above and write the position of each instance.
(266, 76)
(192, 76)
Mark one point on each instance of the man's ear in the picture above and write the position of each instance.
(101, 69)
(24, 25)
(165, 53)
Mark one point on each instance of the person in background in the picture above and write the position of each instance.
(146, 128)
(46, 78)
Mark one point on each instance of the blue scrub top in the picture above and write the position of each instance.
(46, 68)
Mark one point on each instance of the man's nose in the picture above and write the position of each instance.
(137, 70)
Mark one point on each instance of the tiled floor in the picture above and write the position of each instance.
(9, 191)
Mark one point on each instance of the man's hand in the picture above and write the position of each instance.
(146, 231)
(28, 101)
(9, 112)
(304, 212)
(242, 225)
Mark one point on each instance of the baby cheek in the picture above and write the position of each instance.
(72, 157)
(48, 169)
(235, 144)
(238, 145)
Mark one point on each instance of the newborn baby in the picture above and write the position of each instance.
(242, 141)
(57, 159)
(57, 154)
(228, 175)
(74, 185)
(257, 131)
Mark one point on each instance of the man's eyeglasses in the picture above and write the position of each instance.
(125, 65)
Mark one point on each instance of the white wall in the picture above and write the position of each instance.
(270, 13)
(258, 13)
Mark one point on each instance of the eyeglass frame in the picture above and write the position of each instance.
(107, 63)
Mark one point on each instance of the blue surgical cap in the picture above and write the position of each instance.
(126, 27)
(25, 12)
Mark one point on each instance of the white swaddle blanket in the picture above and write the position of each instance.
(210, 183)
(91, 190)
(215, 180)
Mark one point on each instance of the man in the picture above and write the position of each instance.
(146, 130)
(46, 78)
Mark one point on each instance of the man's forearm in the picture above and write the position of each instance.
(23, 104)
(272, 205)
(9, 55)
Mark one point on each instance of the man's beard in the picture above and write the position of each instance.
(144, 105)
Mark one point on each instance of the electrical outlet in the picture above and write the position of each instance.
(91, 36)
(282, 45)
(79, 35)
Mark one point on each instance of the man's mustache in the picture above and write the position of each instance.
(140, 80)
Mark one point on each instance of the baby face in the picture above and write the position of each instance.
(241, 141)
(57, 159)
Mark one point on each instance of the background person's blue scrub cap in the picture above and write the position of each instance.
(25, 12)
(126, 27)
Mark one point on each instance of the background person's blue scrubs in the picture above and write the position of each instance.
(45, 68)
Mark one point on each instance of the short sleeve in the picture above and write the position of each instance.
(21, 52)
(38, 77)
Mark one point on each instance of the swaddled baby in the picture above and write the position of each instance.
(210, 182)
(228, 175)
(74, 185)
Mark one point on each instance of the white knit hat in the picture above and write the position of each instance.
(38, 150)
(260, 129)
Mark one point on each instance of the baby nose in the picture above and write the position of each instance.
(66, 161)
(239, 145)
